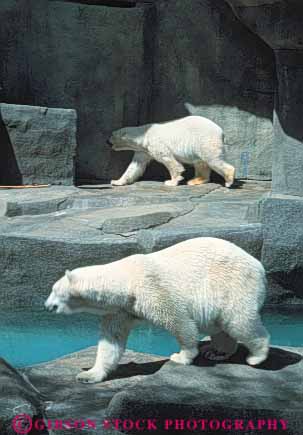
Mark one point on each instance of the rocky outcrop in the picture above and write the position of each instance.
(38, 145)
(18, 398)
(67, 399)
(228, 392)
(64, 228)
(149, 387)
(282, 255)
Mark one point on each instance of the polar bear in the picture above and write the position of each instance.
(203, 285)
(192, 140)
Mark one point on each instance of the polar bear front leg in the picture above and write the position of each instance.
(135, 169)
(187, 335)
(115, 330)
(225, 170)
(174, 168)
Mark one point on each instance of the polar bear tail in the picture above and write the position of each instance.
(190, 108)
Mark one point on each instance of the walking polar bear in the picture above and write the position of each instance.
(203, 285)
(192, 140)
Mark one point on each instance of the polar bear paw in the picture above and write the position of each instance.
(184, 357)
(118, 183)
(230, 177)
(90, 377)
(180, 358)
(174, 181)
(255, 360)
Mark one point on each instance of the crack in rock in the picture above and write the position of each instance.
(132, 224)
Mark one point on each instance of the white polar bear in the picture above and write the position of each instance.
(203, 285)
(191, 140)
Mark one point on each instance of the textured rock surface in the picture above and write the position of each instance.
(17, 396)
(282, 253)
(229, 390)
(64, 228)
(90, 58)
(38, 145)
(67, 398)
(288, 160)
(226, 72)
(113, 69)
(145, 386)
(279, 24)
(17, 202)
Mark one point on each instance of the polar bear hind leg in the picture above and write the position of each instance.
(254, 336)
(221, 348)
(224, 169)
(174, 168)
(187, 335)
(202, 173)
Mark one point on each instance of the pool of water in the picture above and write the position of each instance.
(28, 337)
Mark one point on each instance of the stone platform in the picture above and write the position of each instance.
(45, 231)
(146, 386)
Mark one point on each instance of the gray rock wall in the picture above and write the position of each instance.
(279, 24)
(205, 56)
(90, 58)
(126, 66)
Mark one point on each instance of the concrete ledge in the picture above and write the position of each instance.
(81, 227)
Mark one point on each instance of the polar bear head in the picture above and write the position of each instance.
(79, 291)
(128, 138)
(63, 297)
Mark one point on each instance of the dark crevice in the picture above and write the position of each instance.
(110, 3)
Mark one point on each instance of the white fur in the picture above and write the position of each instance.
(201, 285)
(192, 140)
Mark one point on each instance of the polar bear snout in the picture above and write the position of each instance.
(52, 304)
(51, 307)
(56, 304)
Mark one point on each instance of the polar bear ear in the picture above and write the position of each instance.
(70, 276)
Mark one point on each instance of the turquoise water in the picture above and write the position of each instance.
(28, 337)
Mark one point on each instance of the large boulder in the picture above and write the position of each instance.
(21, 404)
(229, 397)
(67, 399)
(38, 145)
(282, 254)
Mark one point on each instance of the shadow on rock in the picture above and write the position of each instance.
(135, 369)
(277, 359)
